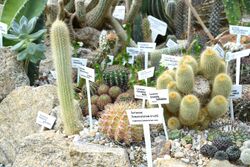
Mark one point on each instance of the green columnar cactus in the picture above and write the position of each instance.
(171, 8)
(60, 44)
(174, 102)
(233, 11)
(215, 18)
(217, 107)
(185, 78)
(163, 80)
(222, 68)
(222, 85)
(209, 63)
(174, 123)
(189, 110)
(179, 19)
(146, 31)
(190, 61)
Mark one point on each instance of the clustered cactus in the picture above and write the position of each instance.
(198, 92)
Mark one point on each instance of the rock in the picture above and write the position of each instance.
(12, 74)
(179, 155)
(18, 112)
(47, 65)
(51, 149)
(216, 163)
(171, 163)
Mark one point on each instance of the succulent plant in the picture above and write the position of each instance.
(185, 78)
(114, 92)
(163, 80)
(173, 123)
(174, 102)
(217, 107)
(103, 100)
(103, 89)
(215, 18)
(233, 153)
(190, 60)
(124, 97)
(222, 143)
(114, 123)
(222, 85)
(180, 18)
(208, 150)
(146, 31)
(171, 8)
(244, 156)
(172, 86)
(221, 155)
(94, 99)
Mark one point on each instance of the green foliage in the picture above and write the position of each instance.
(28, 50)
(15, 9)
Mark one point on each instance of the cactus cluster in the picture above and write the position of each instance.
(198, 92)
(114, 123)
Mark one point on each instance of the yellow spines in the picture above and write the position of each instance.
(217, 107)
(163, 80)
(190, 61)
(173, 123)
(189, 110)
(174, 102)
(185, 78)
(222, 85)
(172, 86)
(209, 63)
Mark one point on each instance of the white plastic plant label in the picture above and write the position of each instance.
(111, 60)
(220, 50)
(235, 55)
(170, 61)
(146, 46)
(77, 62)
(119, 12)
(45, 120)
(171, 44)
(140, 92)
(239, 30)
(157, 26)
(147, 73)
(133, 52)
(145, 116)
(236, 92)
(158, 96)
(87, 73)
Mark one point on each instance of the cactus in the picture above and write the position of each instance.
(189, 110)
(124, 97)
(103, 100)
(185, 78)
(222, 67)
(114, 123)
(233, 11)
(60, 44)
(146, 31)
(209, 63)
(163, 80)
(217, 107)
(103, 89)
(190, 61)
(137, 29)
(172, 86)
(174, 123)
(215, 17)
(170, 72)
(222, 85)
(116, 75)
(94, 99)
(174, 102)
(114, 92)
(171, 8)
(180, 19)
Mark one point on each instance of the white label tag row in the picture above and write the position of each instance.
(157, 26)
(111, 60)
(45, 120)
(147, 73)
(140, 92)
(146, 46)
(170, 61)
(133, 52)
(119, 12)
(236, 92)
(235, 55)
(239, 30)
(158, 96)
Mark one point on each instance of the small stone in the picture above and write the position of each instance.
(185, 160)
(132, 156)
(102, 142)
(179, 155)
(188, 146)
(167, 157)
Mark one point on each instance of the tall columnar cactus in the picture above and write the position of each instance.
(215, 18)
(185, 78)
(233, 11)
(222, 85)
(217, 107)
(170, 8)
(209, 63)
(163, 80)
(60, 44)
(189, 110)
(146, 31)
(179, 19)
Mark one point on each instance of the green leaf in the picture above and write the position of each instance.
(11, 37)
(10, 9)
(40, 47)
(18, 46)
(23, 21)
(31, 24)
(15, 28)
(22, 55)
(31, 49)
(37, 34)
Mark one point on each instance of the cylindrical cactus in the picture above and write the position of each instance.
(209, 63)
(163, 80)
(174, 102)
(60, 44)
(146, 31)
(114, 123)
(190, 61)
(185, 78)
(170, 8)
(173, 123)
(222, 85)
(223, 67)
(189, 110)
(217, 107)
(172, 86)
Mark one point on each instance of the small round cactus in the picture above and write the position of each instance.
(217, 107)
(174, 102)
(103, 100)
(94, 99)
(222, 85)
(185, 78)
(163, 80)
(103, 89)
(114, 92)
(174, 123)
(221, 155)
(189, 110)
(172, 86)
(190, 61)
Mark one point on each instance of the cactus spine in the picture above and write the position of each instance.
(222, 85)
(185, 78)
(60, 43)
(189, 110)
(217, 107)
(174, 102)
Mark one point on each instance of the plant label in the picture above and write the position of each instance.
(77, 62)
(145, 116)
(53, 73)
(220, 50)
(147, 73)
(157, 26)
(146, 46)
(171, 44)
(236, 92)
(140, 92)
(133, 52)
(87, 73)
(45, 120)
(170, 61)
(158, 96)
(111, 60)
(3, 30)
(239, 30)
(235, 55)
(119, 12)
